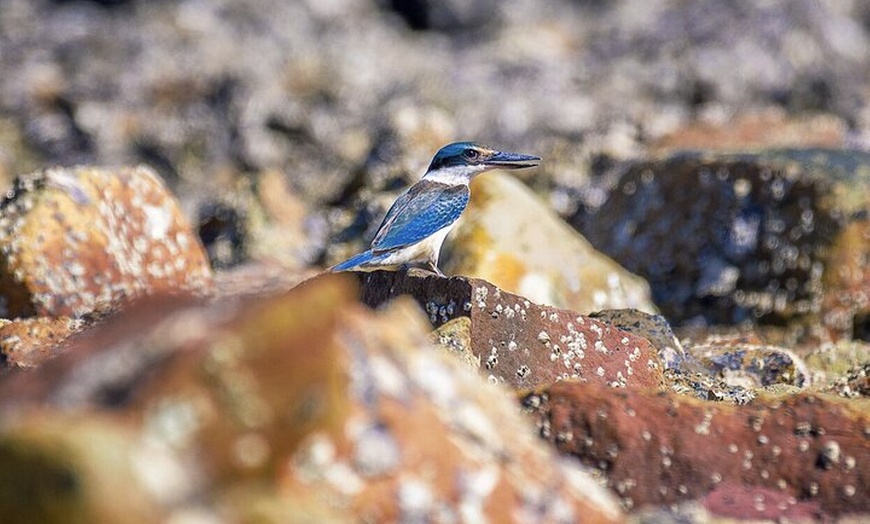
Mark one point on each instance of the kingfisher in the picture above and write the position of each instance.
(417, 223)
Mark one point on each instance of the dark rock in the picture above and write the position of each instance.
(757, 238)
(520, 343)
(223, 232)
(77, 241)
(449, 16)
(657, 448)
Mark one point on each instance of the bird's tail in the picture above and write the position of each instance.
(355, 261)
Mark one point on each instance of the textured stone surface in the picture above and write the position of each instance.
(75, 241)
(510, 238)
(455, 336)
(257, 405)
(27, 342)
(809, 447)
(654, 328)
(742, 238)
(752, 366)
(520, 343)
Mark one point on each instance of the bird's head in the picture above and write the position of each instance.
(461, 161)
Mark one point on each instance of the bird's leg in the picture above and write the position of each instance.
(432, 266)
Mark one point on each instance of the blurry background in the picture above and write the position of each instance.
(286, 127)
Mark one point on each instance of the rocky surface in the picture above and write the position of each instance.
(717, 150)
(806, 447)
(775, 237)
(79, 241)
(508, 237)
(306, 396)
(27, 342)
(518, 342)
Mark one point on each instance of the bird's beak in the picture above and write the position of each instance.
(511, 160)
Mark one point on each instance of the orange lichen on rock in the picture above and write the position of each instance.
(79, 240)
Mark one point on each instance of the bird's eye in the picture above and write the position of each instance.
(472, 154)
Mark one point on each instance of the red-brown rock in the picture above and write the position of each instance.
(74, 241)
(665, 448)
(520, 343)
(27, 342)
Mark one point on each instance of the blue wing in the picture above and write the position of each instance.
(425, 209)
(354, 261)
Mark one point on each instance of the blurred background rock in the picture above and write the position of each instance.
(287, 128)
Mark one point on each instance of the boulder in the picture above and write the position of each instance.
(809, 447)
(250, 406)
(518, 342)
(509, 237)
(74, 241)
(776, 237)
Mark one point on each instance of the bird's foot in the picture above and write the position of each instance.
(426, 269)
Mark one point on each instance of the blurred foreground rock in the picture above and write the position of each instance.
(508, 237)
(241, 409)
(779, 237)
(520, 343)
(808, 448)
(77, 241)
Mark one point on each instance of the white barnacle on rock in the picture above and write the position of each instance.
(480, 293)
(416, 500)
(474, 489)
(376, 450)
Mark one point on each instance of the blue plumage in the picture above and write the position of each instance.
(417, 223)
(424, 210)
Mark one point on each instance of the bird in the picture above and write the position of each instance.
(413, 230)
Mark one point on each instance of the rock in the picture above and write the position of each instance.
(760, 237)
(59, 468)
(664, 448)
(260, 221)
(855, 383)
(752, 366)
(745, 502)
(846, 301)
(450, 16)
(507, 236)
(76, 241)
(27, 342)
(455, 336)
(307, 396)
(690, 379)
(769, 129)
(520, 343)
(654, 328)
